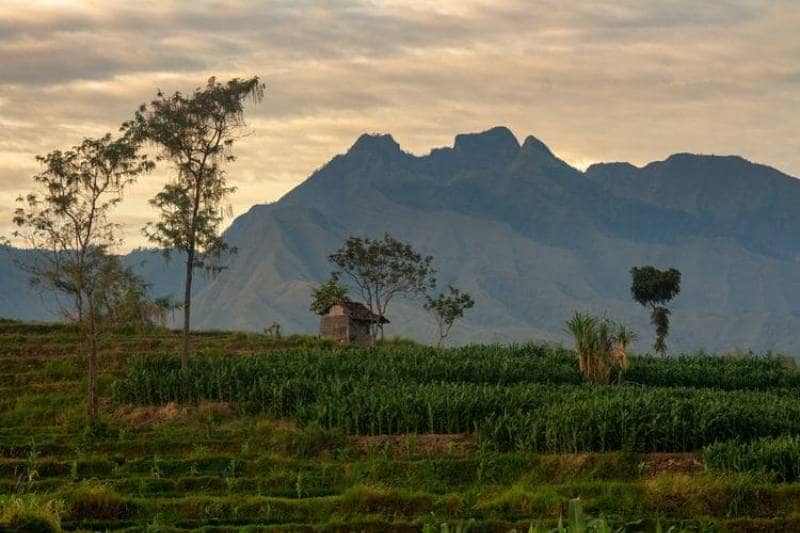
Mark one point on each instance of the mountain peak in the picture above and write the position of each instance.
(534, 145)
(494, 145)
(375, 143)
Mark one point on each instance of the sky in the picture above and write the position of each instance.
(595, 80)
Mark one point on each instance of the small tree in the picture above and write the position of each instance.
(382, 269)
(446, 309)
(195, 133)
(68, 222)
(328, 294)
(654, 288)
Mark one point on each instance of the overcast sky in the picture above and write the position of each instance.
(595, 80)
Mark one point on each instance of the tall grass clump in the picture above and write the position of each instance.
(777, 458)
(600, 345)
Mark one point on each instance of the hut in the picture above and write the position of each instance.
(348, 322)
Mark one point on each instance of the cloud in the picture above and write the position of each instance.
(597, 80)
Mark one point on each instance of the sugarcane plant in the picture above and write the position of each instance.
(600, 345)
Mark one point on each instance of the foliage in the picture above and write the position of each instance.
(68, 221)
(655, 288)
(600, 345)
(382, 269)
(196, 134)
(704, 370)
(213, 466)
(777, 458)
(122, 301)
(32, 515)
(328, 294)
(537, 407)
(447, 308)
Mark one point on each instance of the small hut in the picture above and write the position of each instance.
(348, 322)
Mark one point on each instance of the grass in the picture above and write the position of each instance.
(307, 464)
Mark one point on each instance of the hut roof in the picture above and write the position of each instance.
(358, 311)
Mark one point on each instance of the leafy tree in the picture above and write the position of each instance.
(329, 293)
(382, 269)
(654, 288)
(67, 220)
(196, 134)
(447, 308)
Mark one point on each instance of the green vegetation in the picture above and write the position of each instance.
(654, 288)
(372, 392)
(195, 133)
(777, 459)
(310, 434)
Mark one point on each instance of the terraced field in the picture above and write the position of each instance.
(298, 435)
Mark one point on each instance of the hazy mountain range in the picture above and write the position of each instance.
(530, 237)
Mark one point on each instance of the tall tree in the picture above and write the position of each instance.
(67, 220)
(446, 308)
(196, 134)
(654, 288)
(382, 269)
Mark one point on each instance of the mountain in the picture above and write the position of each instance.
(530, 237)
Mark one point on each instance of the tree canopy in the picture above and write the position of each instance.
(651, 287)
(67, 219)
(382, 269)
(446, 308)
(195, 133)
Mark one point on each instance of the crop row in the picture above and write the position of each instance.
(489, 364)
(523, 416)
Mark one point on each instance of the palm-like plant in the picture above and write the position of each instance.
(623, 338)
(600, 344)
(582, 327)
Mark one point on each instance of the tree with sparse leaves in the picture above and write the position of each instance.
(196, 134)
(382, 269)
(446, 308)
(67, 220)
(654, 288)
(328, 294)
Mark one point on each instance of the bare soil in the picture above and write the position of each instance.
(429, 443)
(674, 463)
(146, 416)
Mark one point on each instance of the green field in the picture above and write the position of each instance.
(297, 434)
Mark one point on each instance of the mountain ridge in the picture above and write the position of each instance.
(532, 238)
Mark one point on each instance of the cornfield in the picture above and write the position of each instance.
(521, 397)
(776, 458)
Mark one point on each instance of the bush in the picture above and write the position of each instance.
(32, 515)
(96, 502)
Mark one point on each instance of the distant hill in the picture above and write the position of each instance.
(530, 237)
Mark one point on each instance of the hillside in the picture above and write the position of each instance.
(298, 434)
(532, 238)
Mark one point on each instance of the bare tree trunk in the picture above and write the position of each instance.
(187, 309)
(91, 398)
